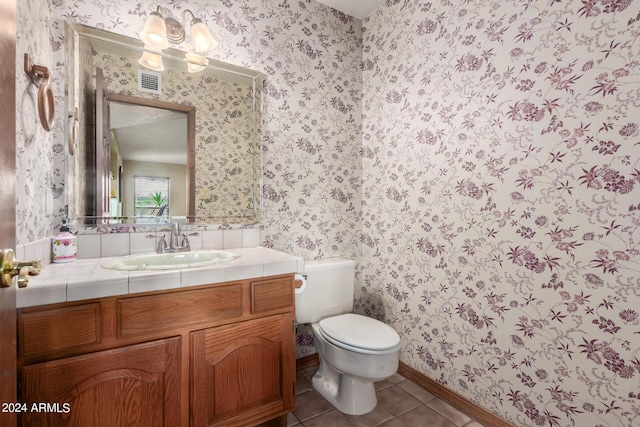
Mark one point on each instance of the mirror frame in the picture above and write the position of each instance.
(254, 80)
(191, 135)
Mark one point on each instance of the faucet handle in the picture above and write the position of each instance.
(185, 240)
(162, 244)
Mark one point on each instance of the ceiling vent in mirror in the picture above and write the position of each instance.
(148, 81)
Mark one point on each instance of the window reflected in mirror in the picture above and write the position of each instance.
(150, 197)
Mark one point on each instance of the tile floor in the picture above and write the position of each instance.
(401, 403)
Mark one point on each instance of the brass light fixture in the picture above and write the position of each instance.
(159, 32)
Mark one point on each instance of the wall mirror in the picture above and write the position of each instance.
(151, 158)
(148, 146)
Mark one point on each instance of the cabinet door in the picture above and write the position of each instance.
(243, 374)
(138, 385)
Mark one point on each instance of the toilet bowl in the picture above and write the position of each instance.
(354, 350)
(347, 372)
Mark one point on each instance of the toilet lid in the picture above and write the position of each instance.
(357, 332)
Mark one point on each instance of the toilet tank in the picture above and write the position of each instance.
(329, 289)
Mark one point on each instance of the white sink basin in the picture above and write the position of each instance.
(169, 261)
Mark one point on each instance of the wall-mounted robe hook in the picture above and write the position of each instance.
(38, 73)
(42, 78)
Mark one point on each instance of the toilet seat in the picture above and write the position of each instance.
(360, 334)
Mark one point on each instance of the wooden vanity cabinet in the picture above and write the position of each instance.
(211, 355)
(237, 371)
(136, 385)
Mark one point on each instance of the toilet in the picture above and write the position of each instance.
(354, 350)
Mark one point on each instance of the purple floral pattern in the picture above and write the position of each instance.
(38, 167)
(489, 190)
(501, 206)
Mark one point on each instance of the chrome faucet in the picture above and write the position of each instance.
(175, 234)
(173, 241)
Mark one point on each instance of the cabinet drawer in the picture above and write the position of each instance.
(55, 330)
(155, 313)
(273, 294)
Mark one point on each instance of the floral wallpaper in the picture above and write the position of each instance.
(501, 201)
(37, 164)
(311, 57)
(479, 159)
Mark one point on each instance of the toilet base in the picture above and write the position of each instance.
(348, 394)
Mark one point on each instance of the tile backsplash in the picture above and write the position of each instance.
(104, 245)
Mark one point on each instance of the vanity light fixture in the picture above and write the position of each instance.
(159, 32)
(195, 62)
(202, 38)
(151, 59)
(154, 33)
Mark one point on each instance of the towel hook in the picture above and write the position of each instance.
(42, 79)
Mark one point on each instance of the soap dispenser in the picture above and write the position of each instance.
(64, 246)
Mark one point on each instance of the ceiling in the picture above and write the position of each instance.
(148, 134)
(357, 8)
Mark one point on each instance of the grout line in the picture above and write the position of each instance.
(390, 384)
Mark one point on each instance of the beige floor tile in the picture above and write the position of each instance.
(309, 372)
(396, 400)
(310, 404)
(379, 385)
(457, 417)
(396, 378)
(332, 418)
(401, 403)
(292, 420)
(416, 391)
(423, 416)
(303, 384)
(394, 423)
(377, 417)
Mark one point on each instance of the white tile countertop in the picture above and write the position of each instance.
(86, 279)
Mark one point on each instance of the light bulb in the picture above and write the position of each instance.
(194, 68)
(155, 32)
(151, 59)
(195, 62)
(201, 36)
(156, 39)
